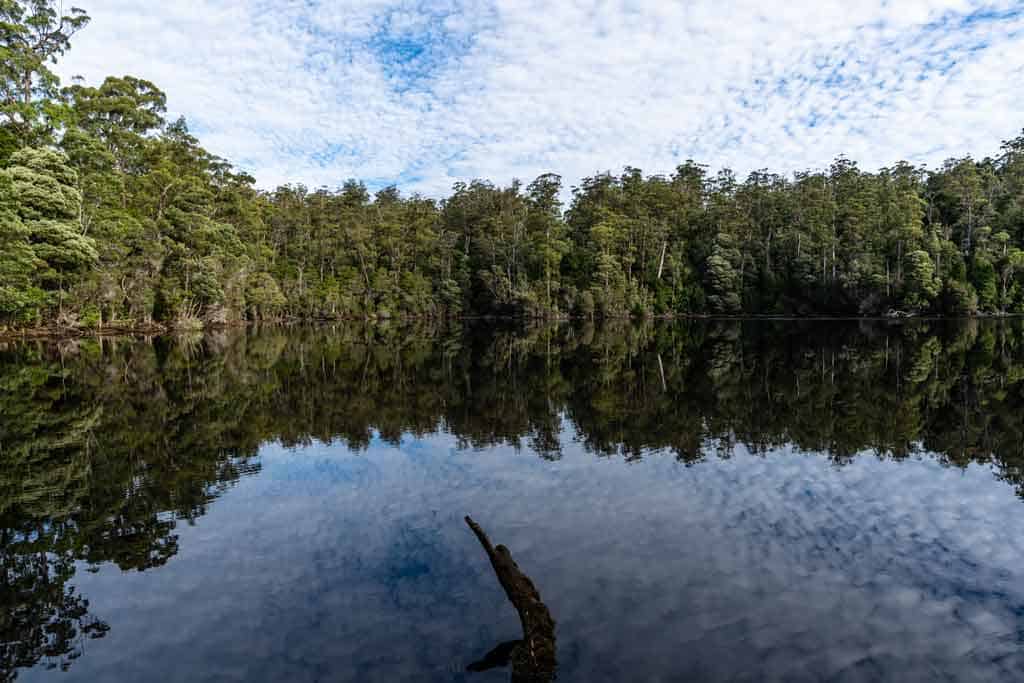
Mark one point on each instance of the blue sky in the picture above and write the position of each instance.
(424, 93)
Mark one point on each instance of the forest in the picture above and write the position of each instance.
(114, 216)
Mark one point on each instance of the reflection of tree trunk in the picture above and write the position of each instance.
(534, 657)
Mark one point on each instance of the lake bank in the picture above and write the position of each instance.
(58, 332)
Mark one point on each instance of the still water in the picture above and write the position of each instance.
(706, 500)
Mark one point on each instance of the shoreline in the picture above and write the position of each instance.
(57, 333)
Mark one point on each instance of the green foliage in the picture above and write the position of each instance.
(723, 278)
(983, 277)
(264, 296)
(921, 287)
(959, 298)
(33, 34)
(133, 221)
(19, 298)
(42, 214)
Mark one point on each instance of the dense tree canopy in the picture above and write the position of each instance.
(112, 215)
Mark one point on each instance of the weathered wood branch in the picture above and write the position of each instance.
(534, 658)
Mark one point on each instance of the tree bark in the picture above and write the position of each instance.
(534, 657)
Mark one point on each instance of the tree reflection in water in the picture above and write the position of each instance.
(107, 445)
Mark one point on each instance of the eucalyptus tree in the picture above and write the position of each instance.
(33, 35)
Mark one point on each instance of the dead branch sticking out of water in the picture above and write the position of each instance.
(534, 657)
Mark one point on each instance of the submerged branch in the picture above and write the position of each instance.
(533, 658)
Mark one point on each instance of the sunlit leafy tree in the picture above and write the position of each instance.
(33, 35)
(20, 299)
(48, 203)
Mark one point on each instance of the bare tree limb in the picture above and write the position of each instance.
(535, 657)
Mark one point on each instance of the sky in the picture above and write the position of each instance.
(425, 93)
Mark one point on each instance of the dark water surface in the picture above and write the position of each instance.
(719, 501)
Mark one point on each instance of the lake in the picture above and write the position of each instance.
(694, 500)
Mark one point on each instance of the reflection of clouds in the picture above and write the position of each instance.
(342, 567)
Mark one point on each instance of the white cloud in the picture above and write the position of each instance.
(432, 91)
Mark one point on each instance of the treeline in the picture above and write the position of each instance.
(111, 215)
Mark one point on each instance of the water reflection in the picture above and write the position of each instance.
(111, 450)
